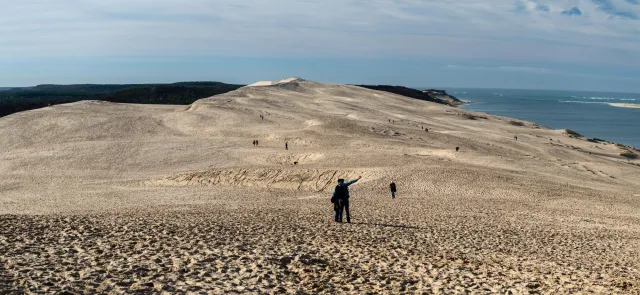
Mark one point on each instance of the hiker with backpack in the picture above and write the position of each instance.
(340, 199)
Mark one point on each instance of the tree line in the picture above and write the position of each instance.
(183, 93)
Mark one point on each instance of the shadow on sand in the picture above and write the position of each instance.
(387, 225)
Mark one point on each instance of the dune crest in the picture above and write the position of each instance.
(271, 83)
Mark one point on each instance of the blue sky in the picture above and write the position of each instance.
(563, 44)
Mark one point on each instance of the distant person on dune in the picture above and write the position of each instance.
(340, 199)
(286, 146)
(392, 186)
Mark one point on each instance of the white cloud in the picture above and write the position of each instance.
(503, 68)
(536, 70)
(449, 29)
(524, 69)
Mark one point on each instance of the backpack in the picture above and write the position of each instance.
(339, 193)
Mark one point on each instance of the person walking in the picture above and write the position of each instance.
(392, 186)
(340, 199)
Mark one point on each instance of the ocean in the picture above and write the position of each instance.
(587, 113)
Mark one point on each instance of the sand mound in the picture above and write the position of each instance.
(281, 82)
(262, 83)
(296, 159)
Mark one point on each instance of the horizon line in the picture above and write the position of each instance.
(3, 88)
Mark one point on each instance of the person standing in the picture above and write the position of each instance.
(340, 199)
(392, 186)
(286, 146)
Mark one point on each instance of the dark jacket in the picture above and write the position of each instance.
(345, 186)
(392, 186)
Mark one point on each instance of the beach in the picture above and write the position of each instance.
(100, 197)
(626, 105)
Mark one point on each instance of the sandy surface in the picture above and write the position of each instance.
(99, 197)
(626, 105)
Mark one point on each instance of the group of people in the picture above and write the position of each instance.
(340, 198)
(286, 144)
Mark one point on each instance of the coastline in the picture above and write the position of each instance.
(595, 115)
(625, 105)
(633, 147)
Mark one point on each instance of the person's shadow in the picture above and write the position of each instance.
(387, 225)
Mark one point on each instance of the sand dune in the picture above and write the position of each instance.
(101, 197)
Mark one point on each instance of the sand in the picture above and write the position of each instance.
(626, 105)
(100, 197)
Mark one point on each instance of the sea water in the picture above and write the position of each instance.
(587, 113)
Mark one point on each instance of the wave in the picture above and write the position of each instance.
(581, 101)
(628, 99)
(595, 97)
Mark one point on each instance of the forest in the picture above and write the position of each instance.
(15, 100)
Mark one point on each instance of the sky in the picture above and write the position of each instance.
(532, 44)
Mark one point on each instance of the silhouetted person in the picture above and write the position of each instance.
(457, 148)
(515, 138)
(426, 130)
(340, 199)
(392, 186)
(254, 142)
(286, 146)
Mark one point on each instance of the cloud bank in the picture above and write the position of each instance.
(522, 33)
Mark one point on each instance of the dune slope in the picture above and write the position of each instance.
(101, 197)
